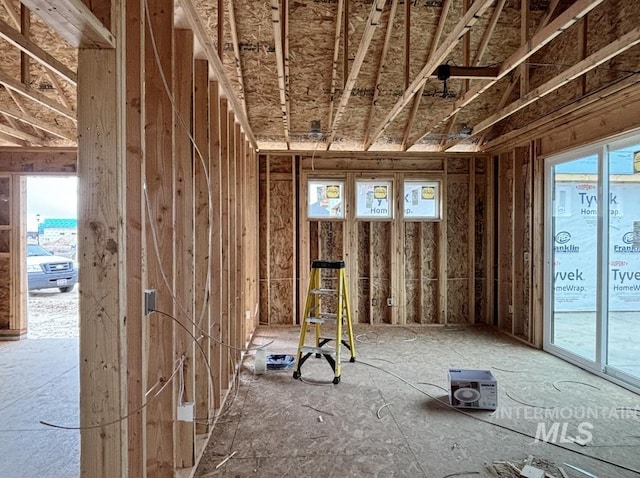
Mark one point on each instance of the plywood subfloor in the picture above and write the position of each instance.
(374, 424)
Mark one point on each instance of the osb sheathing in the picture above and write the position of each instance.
(45, 38)
(381, 272)
(458, 259)
(311, 47)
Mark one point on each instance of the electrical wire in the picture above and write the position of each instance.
(503, 427)
(121, 419)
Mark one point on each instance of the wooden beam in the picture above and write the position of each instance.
(102, 250)
(38, 123)
(36, 96)
(488, 33)
(282, 88)
(203, 228)
(524, 38)
(381, 64)
(19, 103)
(369, 29)
(336, 53)
(215, 64)
(580, 107)
(74, 22)
(184, 345)
(8, 130)
(464, 25)
(418, 97)
(345, 46)
(236, 53)
(538, 41)
(407, 43)
(12, 140)
(593, 61)
(38, 160)
(25, 61)
(158, 174)
(215, 235)
(25, 45)
(136, 254)
(225, 355)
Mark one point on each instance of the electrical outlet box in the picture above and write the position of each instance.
(510, 309)
(390, 301)
(186, 412)
(526, 257)
(149, 301)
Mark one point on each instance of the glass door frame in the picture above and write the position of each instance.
(599, 365)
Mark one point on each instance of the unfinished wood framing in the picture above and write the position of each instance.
(176, 198)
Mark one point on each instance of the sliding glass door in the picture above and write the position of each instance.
(623, 305)
(592, 258)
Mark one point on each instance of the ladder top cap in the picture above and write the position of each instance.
(327, 264)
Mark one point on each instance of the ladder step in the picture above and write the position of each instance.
(324, 291)
(316, 350)
(320, 320)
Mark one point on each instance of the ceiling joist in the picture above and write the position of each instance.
(522, 54)
(463, 26)
(74, 22)
(381, 64)
(370, 27)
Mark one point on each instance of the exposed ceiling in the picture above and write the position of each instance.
(359, 74)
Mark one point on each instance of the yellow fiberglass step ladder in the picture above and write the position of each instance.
(315, 313)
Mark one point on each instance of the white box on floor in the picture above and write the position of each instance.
(473, 389)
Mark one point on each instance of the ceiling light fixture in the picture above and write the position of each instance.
(315, 132)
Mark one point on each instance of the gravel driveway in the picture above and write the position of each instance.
(52, 314)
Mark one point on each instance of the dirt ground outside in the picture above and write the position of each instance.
(52, 314)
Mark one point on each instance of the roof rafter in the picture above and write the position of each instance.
(462, 27)
(36, 96)
(516, 76)
(37, 123)
(381, 65)
(434, 44)
(25, 45)
(282, 81)
(336, 53)
(592, 61)
(236, 53)
(9, 131)
(370, 27)
(18, 101)
(563, 21)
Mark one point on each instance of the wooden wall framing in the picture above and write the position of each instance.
(168, 201)
(428, 269)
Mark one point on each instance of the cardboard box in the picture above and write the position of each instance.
(473, 389)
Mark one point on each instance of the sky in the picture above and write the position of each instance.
(51, 197)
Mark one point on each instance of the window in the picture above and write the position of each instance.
(374, 199)
(421, 200)
(325, 199)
